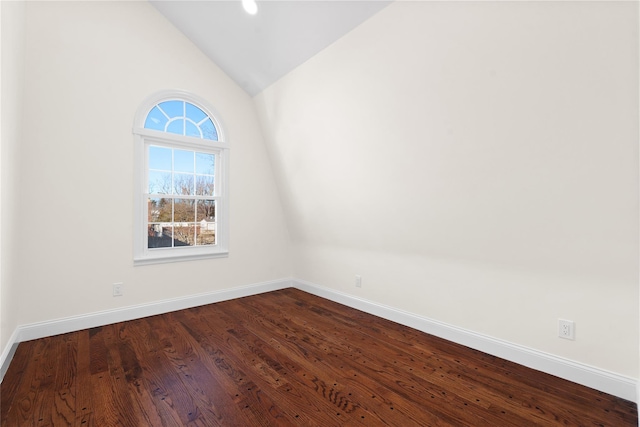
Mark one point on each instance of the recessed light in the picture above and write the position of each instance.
(250, 6)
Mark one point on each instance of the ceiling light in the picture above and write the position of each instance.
(250, 6)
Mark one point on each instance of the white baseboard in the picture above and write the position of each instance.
(8, 352)
(599, 379)
(608, 382)
(91, 320)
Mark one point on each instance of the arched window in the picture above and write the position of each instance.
(181, 118)
(181, 160)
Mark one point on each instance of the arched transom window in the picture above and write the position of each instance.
(181, 203)
(181, 118)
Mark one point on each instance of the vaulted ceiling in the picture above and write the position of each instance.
(256, 50)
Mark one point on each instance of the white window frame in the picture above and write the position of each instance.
(142, 139)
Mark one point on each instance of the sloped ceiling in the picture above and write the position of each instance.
(257, 50)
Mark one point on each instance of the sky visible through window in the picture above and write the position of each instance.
(173, 171)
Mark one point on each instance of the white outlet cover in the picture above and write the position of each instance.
(117, 289)
(566, 329)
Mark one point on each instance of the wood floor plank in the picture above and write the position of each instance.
(283, 358)
(112, 401)
(84, 405)
(64, 358)
(159, 382)
(12, 382)
(34, 394)
(132, 367)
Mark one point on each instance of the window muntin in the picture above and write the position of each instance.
(181, 204)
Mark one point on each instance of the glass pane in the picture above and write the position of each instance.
(205, 163)
(155, 120)
(209, 130)
(183, 184)
(159, 182)
(183, 161)
(160, 236)
(184, 211)
(206, 234)
(206, 226)
(206, 211)
(159, 158)
(176, 126)
(192, 130)
(204, 185)
(173, 108)
(184, 235)
(194, 113)
(159, 210)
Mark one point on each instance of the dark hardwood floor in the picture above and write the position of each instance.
(284, 358)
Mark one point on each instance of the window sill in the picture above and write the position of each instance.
(177, 258)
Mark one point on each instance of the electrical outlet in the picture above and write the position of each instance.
(118, 289)
(566, 329)
(358, 281)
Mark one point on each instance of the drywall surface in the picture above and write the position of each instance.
(476, 163)
(89, 65)
(12, 35)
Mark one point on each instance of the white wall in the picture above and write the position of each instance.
(88, 67)
(12, 27)
(476, 163)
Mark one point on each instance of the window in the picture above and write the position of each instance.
(181, 161)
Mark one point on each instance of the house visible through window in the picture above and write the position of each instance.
(181, 210)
